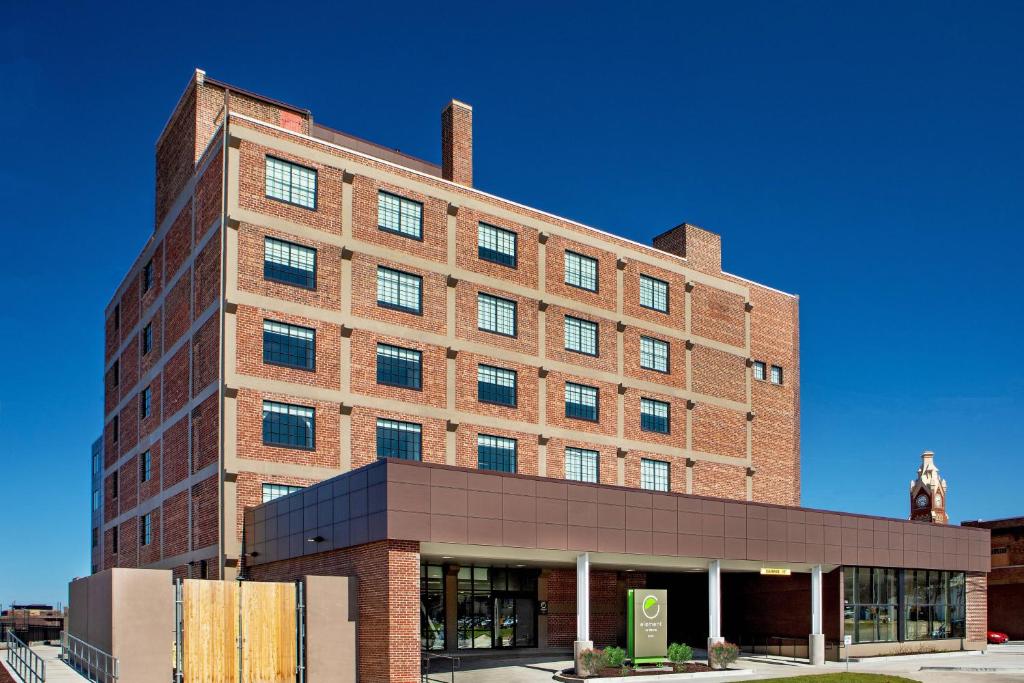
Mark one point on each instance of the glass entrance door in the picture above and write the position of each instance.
(504, 622)
(497, 607)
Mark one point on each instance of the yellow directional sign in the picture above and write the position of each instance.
(774, 571)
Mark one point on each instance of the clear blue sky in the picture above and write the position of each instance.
(866, 156)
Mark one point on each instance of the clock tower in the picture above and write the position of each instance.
(928, 493)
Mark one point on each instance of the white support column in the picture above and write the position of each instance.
(816, 641)
(583, 641)
(714, 603)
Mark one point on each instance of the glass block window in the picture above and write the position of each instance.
(399, 367)
(653, 293)
(653, 475)
(776, 374)
(146, 402)
(653, 354)
(273, 491)
(580, 336)
(147, 338)
(290, 345)
(580, 271)
(581, 464)
(403, 440)
(147, 276)
(146, 466)
(496, 245)
(494, 314)
(291, 183)
(760, 370)
(146, 529)
(399, 215)
(289, 263)
(654, 416)
(402, 291)
(288, 425)
(496, 453)
(496, 385)
(581, 401)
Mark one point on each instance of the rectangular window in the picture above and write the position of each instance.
(654, 416)
(495, 453)
(580, 336)
(776, 374)
(870, 600)
(653, 293)
(291, 183)
(399, 367)
(495, 385)
(496, 245)
(95, 501)
(147, 276)
(147, 339)
(403, 440)
(432, 607)
(934, 603)
(581, 464)
(115, 371)
(398, 290)
(653, 475)
(494, 314)
(95, 537)
(146, 529)
(760, 370)
(273, 491)
(581, 402)
(399, 215)
(117, 317)
(289, 345)
(653, 354)
(580, 271)
(289, 263)
(146, 466)
(115, 484)
(114, 539)
(116, 427)
(288, 425)
(146, 402)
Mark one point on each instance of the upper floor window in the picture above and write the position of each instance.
(289, 263)
(653, 354)
(494, 314)
(399, 367)
(580, 271)
(654, 416)
(581, 401)
(96, 501)
(289, 345)
(397, 439)
(146, 402)
(117, 317)
(146, 466)
(496, 245)
(115, 372)
(274, 491)
(399, 215)
(115, 484)
(147, 276)
(115, 427)
(114, 539)
(654, 293)
(291, 183)
(776, 374)
(146, 529)
(147, 338)
(653, 475)
(398, 290)
(580, 336)
(581, 464)
(760, 370)
(495, 385)
(95, 539)
(288, 425)
(496, 453)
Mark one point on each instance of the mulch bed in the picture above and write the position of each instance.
(612, 672)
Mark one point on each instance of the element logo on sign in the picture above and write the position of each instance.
(651, 607)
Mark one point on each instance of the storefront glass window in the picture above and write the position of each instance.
(870, 604)
(432, 607)
(934, 604)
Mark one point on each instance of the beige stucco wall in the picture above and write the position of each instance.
(331, 615)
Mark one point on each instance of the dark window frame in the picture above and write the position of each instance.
(498, 438)
(597, 271)
(419, 374)
(515, 315)
(398, 441)
(515, 386)
(515, 246)
(668, 355)
(270, 277)
(274, 444)
(382, 228)
(668, 294)
(293, 165)
(399, 307)
(597, 403)
(312, 363)
(597, 336)
(668, 416)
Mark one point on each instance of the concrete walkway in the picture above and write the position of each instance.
(56, 670)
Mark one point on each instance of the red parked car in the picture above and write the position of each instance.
(996, 637)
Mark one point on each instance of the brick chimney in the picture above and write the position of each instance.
(457, 143)
(700, 247)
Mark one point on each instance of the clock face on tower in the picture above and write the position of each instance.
(922, 501)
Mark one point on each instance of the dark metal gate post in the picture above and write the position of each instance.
(179, 617)
(300, 633)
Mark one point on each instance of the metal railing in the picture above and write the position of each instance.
(93, 663)
(23, 661)
(427, 658)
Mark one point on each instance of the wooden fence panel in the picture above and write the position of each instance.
(268, 632)
(210, 625)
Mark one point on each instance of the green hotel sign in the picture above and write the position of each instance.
(646, 625)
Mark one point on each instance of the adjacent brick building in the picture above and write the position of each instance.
(1006, 581)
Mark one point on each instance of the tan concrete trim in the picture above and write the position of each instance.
(470, 198)
(184, 558)
(229, 425)
(379, 327)
(345, 442)
(267, 468)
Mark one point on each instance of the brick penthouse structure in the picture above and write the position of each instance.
(310, 303)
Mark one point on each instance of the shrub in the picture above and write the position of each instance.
(591, 662)
(721, 655)
(679, 654)
(615, 657)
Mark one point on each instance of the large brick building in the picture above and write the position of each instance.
(310, 303)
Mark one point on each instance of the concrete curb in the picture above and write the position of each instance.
(977, 669)
(910, 658)
(698, 675)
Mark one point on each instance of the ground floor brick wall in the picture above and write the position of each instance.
(388, 629)
(977, 606)
(607, 606)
